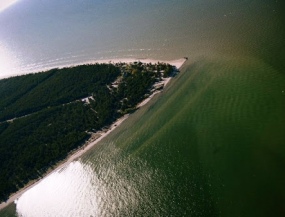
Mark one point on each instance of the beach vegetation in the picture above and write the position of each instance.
(45, 116)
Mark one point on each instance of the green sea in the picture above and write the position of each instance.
(211, 144)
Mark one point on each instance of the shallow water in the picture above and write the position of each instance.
(211, 144)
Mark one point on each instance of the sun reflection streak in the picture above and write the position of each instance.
(8, 62)
(4, 4)
(62, 193)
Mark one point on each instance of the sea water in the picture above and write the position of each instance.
(199, 149)
(39, 35)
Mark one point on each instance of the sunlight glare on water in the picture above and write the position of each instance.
(4, 4)
(63, 185)
(85, 188)
(8, 62)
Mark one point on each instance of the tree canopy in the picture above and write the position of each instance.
(46, 115)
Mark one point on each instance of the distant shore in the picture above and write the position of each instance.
(99, 135)
(176, 63)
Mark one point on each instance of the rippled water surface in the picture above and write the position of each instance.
(102, 186)
(212, 144)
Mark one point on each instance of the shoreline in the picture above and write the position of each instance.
(73, 155)
(176, 62)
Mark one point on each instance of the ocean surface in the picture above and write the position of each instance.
(38, 35)
(212, 144)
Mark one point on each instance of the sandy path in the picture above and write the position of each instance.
(79, 152)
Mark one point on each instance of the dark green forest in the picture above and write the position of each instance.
(44, 116)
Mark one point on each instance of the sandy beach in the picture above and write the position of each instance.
(102, 134)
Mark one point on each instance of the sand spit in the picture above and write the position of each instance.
(98, 136)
